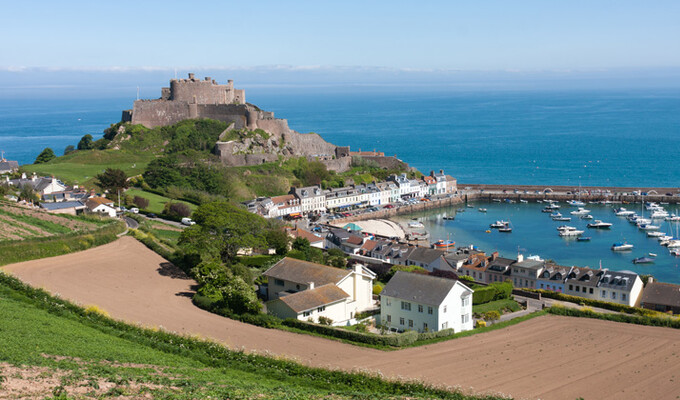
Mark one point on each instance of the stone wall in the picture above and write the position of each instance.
(385, 162)
(152, 113)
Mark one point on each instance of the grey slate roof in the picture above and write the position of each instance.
(62, 205)
(529, 264)
(666, 294)
(425, 255)
(313, 298)
(419, 288)
(619, 280)
(298, 271)
(8, 166)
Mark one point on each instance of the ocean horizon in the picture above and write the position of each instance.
(595, 138)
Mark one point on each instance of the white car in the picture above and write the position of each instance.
(134, 210)
(188, 221)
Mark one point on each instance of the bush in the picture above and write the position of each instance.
(481, 324)
(325, 321)
(377, 289)
(434, 335)
(466, 278)
(665, 321)
(503, 290)
(492, 315)
(594, 303)
(46, 155)
(396, 340)
(483, 294)
(140, 202)
(179, 210)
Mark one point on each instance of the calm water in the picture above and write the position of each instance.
(535, 232)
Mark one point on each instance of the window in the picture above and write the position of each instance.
(401, 321)
(591, 290)
(465, 318)
(278, 282)
(445, 325)
(410, 323)
(424, 326)
(405, 305)
(420, 308)
(388, 301)
(306, 313)
(389, 318)
(430, 310)
(571, 287)
(614, 295)
(321, 309)
(604, 294)
(584, 289)
(526, 282)
(465, 301)
(444, 308)
(623, 296)
(541, 286)
(578, 288)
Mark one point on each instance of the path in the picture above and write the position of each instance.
(547, 357)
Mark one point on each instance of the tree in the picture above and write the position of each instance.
(113, 180)
(69, 149)
(45, 156)
(221, 230)
(177, 209)
(278, 240)
(302, 245)
(140, 202)
(27, 194)
(85, 143)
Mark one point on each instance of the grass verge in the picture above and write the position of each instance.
(157, 202)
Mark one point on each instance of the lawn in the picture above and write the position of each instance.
(50, 348)
(501, 306)
(157, 202)
(80, 167)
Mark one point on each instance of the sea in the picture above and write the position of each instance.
(543, 137)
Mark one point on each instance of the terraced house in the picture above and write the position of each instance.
(312, 198)
(425, 303)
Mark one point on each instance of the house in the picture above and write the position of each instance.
(475, 266)
(312, 198)
(7, 166)
(498, 269)
(391, 252)
(552, 278)
(659, 296)
(314, 241)
(427, 258)
(583, 282)
(305, 290)
(285, 205)
(101, 205)
(525, 272)
(41, 185)
(623, 287)
(425, 303)
(64, 207)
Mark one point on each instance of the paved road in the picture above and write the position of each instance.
(547, 357)
(131, 223)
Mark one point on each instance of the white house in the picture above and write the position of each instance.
(312, 198)
(41, 185)
(425, 303)
(306, 290)
(101, 205)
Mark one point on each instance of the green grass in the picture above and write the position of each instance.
(498, 305)
(86, 347)
(46, 226)
(157, 202)
(80, 167)
(172, 236)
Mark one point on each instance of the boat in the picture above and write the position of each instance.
(651, 254)
(673, 244)
(506, 229)
(482, 210)
(470, 206)
(622, 246)
(622, 212)
(523, 201)
(673, 218)
(675, 253)
(555, 215)
(444, 244)
(562, 219)
(600, 225)
(552, 206)
(648, 227)
(509, 201)
(580, 211)
(655, 234)
(586, 216)
(659, 214)
(498, 224)
(643, 260)
(565, 228)
(570, 232)
(547, 210)
(488, 231)
(583, 239)
(460, 210)
(539, 201)
(449, 218)
(496, 200)
(576, 203)
(415, 224)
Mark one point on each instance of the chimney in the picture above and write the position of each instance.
(34, 177)
(310, 285)
(191, 76)
(357, 268)
(23, 175)
(494, 256)
(650, 279)
(520, 258)
(441, 171)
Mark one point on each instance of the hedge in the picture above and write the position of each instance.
(263, 320)
(434, 335)
(395, 340)
(495, 291)
(594, 303)
(668, 322)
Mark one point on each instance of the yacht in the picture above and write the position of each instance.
(505, 229)
(415, 224)
(673, 218)
(482, 210)
(659, 214)
(586, 216)
(498, 224)
(576, 203)
(600, 225)
(496, 200)
(648, 227)
(643, 260)
(570, 232)
(553, 206)
(675, 253)
(561, 219)
(523, 201)
(674, 244)
(580, 211)
(583, 238)
(565, 228)
(622, 212)
(622, 246)
(547, 210)
(655, 234)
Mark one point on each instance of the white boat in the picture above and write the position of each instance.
(523, 201)
(665, 237)
(655, 234)
(673, 218)
(571, 232)
(651, 254)
(659, 214)
(622, 246)
(496, 200)
(652, 206)
(552, 206)
(576, 203)
(675, 252)
(622, 212)
(648, 227)
(565, 228)
(586, 216)
(562, 219)
(415, 224)
(674, 244)
(482, 210)
(641, 221)
(555, 215)
(499, 224)
(600, 225)
(580, 211)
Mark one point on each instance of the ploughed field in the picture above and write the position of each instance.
(19, 223)
(547, 357)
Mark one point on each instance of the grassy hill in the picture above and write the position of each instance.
(50, 348)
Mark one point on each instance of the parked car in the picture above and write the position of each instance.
(152, 215)
(134, 210)
(188, 222)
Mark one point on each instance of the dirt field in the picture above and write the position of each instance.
(548, 357)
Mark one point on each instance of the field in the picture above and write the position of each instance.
(80, 167)
(156, 202)
(548, 357)
(18, 223)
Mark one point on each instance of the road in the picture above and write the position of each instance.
(548, 357)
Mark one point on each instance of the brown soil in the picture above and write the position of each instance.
(547, 357)
(45, 216)
(9, 232)
(30, 229)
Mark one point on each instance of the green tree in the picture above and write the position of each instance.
(278, 240)
(221, 230)
(28, 194)
(302, 245)
(86, 143)
(113, 180)
(69, 149)
(45, 156)
(140, 202)
(177, 209)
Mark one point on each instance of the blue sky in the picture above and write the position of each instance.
(441, 35)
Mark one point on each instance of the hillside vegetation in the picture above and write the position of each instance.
(177, 160)
(50, 348)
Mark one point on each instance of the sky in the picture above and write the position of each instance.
(337, 40)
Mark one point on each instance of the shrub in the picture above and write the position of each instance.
(492, 315)
(434, 335)
(665, 321)
(325, 321)
(180, 210)
(46, 155)
(466, 278)
(481, 324)
(396, 340)
(377, 289)
(483, 294)
(503, 290)
(141, 202)
(594, 303)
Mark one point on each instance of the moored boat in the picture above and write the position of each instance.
(583, 239)
(643, 260)
(599, 225)
(444, 244)
(622, 246)
(482, 210)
